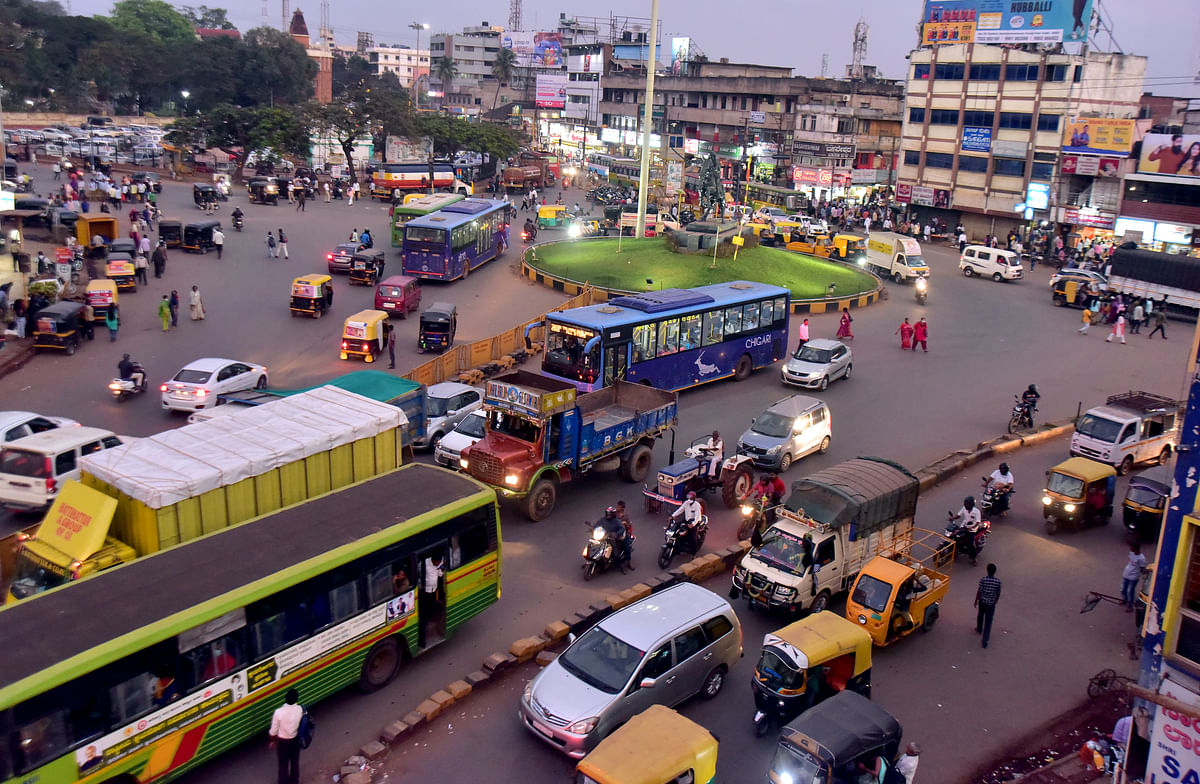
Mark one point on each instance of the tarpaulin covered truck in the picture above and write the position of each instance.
(185, 483)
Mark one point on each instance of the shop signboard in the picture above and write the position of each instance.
(551, 91)
(1175, 155)
(976, 139)
(807, 175)
(1098, 136)
(1173, 739)
(610, 136)
(1096, 219)
(1037, 196)
(1091, 166)
(674, 180)
(758, 118)
(904, 193)
(997, 22)
(1007, 149)
(680, 53)
(823, 150)
(691, 146)
(864, 176)
(1173, 233)
(930, 197)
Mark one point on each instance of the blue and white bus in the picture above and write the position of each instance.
(449, 243)
(670, 339)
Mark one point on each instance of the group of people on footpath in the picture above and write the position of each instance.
(1123, 313)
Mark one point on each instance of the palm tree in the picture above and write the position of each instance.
(446, 69)
(503, 69)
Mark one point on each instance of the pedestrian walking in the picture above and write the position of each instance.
(391, 346)
(301, 198)
(144, 242)
(57, 171)
(113, 322)
(1160, 322)
(921, 335)
(164, 312)
(174, 302)
(325, 191)
(986, 597)
(282, 244)
(159, 259)
(285, 737)
(272, 246)
(907, 764)
(218, 241)
(140, 267)
(803, 335)
(1135, 322)
(196, 304)
(1118, 330)
(291, 189)
(905, 331)
(1087, 321)
(1130, 576)
(350, 191)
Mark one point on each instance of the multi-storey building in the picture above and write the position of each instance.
(405, 62)
(988, 128)
(473, 52)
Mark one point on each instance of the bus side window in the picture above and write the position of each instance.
(474, 543)
(214, 659)
(643, 342)
(40, 738)
(750, 317)
(781, 310)
(766, 313)
(689, 336)
(714, 323)
(668, 337)
(733, 320)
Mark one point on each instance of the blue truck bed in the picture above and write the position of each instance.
(615, 416)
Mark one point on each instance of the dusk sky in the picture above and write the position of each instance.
(776, 32)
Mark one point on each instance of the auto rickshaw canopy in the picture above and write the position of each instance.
(1084, 468)
(823, 637)
(58, 318)
(364, 325)
(311, 286)
(842, 728)
(101, 292)
(654, 747)
(551, 211)
(439, 313)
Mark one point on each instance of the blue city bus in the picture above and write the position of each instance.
(670, 339)
(448, 244)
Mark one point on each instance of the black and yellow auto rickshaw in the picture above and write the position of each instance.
(123, 245)
(438, 325)
(204, 194)
(59, 326)
(1076, 291)
(363, 335)
(807, 662)
(198, 236)
(101, 294)
(1144, 505)
(824, 743)
(119, 269)
(657, 746)
(1079, 492)
(170, 231)
(312, 295)
(263, 190)
(366, 266)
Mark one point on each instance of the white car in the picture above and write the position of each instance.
(469, 431)
(765, 214)
(54, 134)
(197, 385)
(18, 424)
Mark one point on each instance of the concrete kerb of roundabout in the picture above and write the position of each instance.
(541, 647)
(602, 294)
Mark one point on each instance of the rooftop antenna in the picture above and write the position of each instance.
(326, 34)
(860, 49)
(514, 14)
(824, 65)
(265, 14)
(284, 16)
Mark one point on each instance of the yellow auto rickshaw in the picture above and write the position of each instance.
(102, 296)
(1075, 290)
(1079, 492)
(88, 227)
(901, 589)
(657, 746)
(364, 336)
(807, 662)
(312, 295)
(119, 269)
(552, 216)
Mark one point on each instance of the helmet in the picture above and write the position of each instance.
(969, 502)
(1033, 388)
(1004, 468)
(610, 512)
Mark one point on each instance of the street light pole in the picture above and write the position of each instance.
(418, 26)
(647, 119)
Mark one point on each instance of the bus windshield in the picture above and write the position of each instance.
(425, 234)
(565, 344)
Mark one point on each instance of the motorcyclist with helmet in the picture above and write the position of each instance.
(1001, 480)
(1030, 398)
(238, 217)
(691, 511)
(969, 519)
(618, 537)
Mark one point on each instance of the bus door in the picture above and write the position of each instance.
(616, 362)
(483, 240)
(431, 605)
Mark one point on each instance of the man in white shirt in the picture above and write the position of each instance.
(691, 511)
(716, 453)
(970, 518)
(429, 603)
(218, 238)
(285, 726)
(1001, 480)
(907, 764)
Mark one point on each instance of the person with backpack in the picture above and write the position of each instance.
(291, 730)
(272, 246)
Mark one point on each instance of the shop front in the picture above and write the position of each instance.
(1087, 224)
(924, 204)
(820, 184)
(1162, 236)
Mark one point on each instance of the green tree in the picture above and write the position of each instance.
(155, 18)
(451, 134)
(350, 72)
(344, 123)
(274, 68)
(208, 18)
(241, 132)
(503, 69)
(388, 108)
(445, 69)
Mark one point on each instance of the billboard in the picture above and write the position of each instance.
(1098, 136)
(1005, 21)
(542, 50)
(976, 139)
(551, 91)
(823, 150)
(1091, 166)
(586, 63)
(680, 53)
(1177, 155)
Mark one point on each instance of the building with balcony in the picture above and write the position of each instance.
(988, 128)
(473, 51)
(406, 63)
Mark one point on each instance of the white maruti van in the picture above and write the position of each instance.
(32, 469)
(995, 263)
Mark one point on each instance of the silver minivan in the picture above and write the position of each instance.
(659, 651)
(446, 404)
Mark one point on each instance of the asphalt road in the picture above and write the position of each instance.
(987, 342)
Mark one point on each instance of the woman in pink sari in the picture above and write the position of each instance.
(843, 330)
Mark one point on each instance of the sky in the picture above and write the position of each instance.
(793, 33)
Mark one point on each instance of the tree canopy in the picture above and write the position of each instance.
(155, 19)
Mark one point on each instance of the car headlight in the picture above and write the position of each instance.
(511, 480)
(1069, 508)
(528, 691)
(1047, 500)
(583, 726)
(775, 449)
(784, 591)
(462, 463)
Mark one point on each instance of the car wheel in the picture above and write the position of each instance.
(1164, 455)
(713, 683)
(846, 375)
(820, 603)
(262, 382)
(434, 441)
(824, 383)
(896, 276)
(1126, 465)
(785, 462)
(997, 277)
(824, 447)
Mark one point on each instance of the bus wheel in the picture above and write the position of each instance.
(540, 501)
(380, 665)
(636, 467)
(741, 371)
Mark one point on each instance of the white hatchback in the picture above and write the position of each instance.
(197, 385)
(469, 431)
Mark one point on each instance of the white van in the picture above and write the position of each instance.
(995, 263)
(1130, 428)
(32, 469)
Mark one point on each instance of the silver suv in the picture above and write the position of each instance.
(662, 650)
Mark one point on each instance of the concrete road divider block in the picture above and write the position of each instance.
(358, 777)
(616, 600)
(499, 661)
(526, 648)
(1007, 445)
(478, 678)
(413, 719)
(443, 698)
(373, 750)
(601, 608)
(391, 734)
(689, 569)
(545, 657)
(459, 689)
(652, 582)
(638, 592)
(429, 710)
(711, 563)
(556, 631)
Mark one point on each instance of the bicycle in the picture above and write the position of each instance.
(1107, 682)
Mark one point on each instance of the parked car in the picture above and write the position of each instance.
(818, 362)
(198, 383)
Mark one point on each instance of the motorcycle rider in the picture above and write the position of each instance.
(530, 230)
(1001, 480)
(691, 511)
(1030, 398)
(129, 371)
(771, 486)
(237, 216)
(618, 537)
(969, 520)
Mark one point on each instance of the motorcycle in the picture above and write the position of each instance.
(676, 538)
(1021, 417)
(238, 223)
(922, 290)
(993, 501)
(124, 388)
(962, 538)
(528, 235)
(600, 554)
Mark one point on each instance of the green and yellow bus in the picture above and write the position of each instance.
(419, 208)
(145, 672)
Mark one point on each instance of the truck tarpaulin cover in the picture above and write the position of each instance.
(1162, 269)
(870, 492)
(177, 464)
(844, 727)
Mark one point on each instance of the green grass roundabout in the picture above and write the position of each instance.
(597, 262)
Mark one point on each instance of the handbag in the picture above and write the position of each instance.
(304, 733)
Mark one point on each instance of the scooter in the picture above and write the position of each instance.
(922, 290)
(238, 223)
(676, 538)
(124, 388)
(599, 554)
(963, 538)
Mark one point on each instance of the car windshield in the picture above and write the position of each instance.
(783, 550)
(773, 425)
(437, 406)
(424, 234)
(872, 593)
(601, 660)
(472, 426)
(1068, 486)
(187, 376)
(915, 261)
(796, 765)
(819, 356)
(21, 463)
(1099, 428)
(518, 427)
